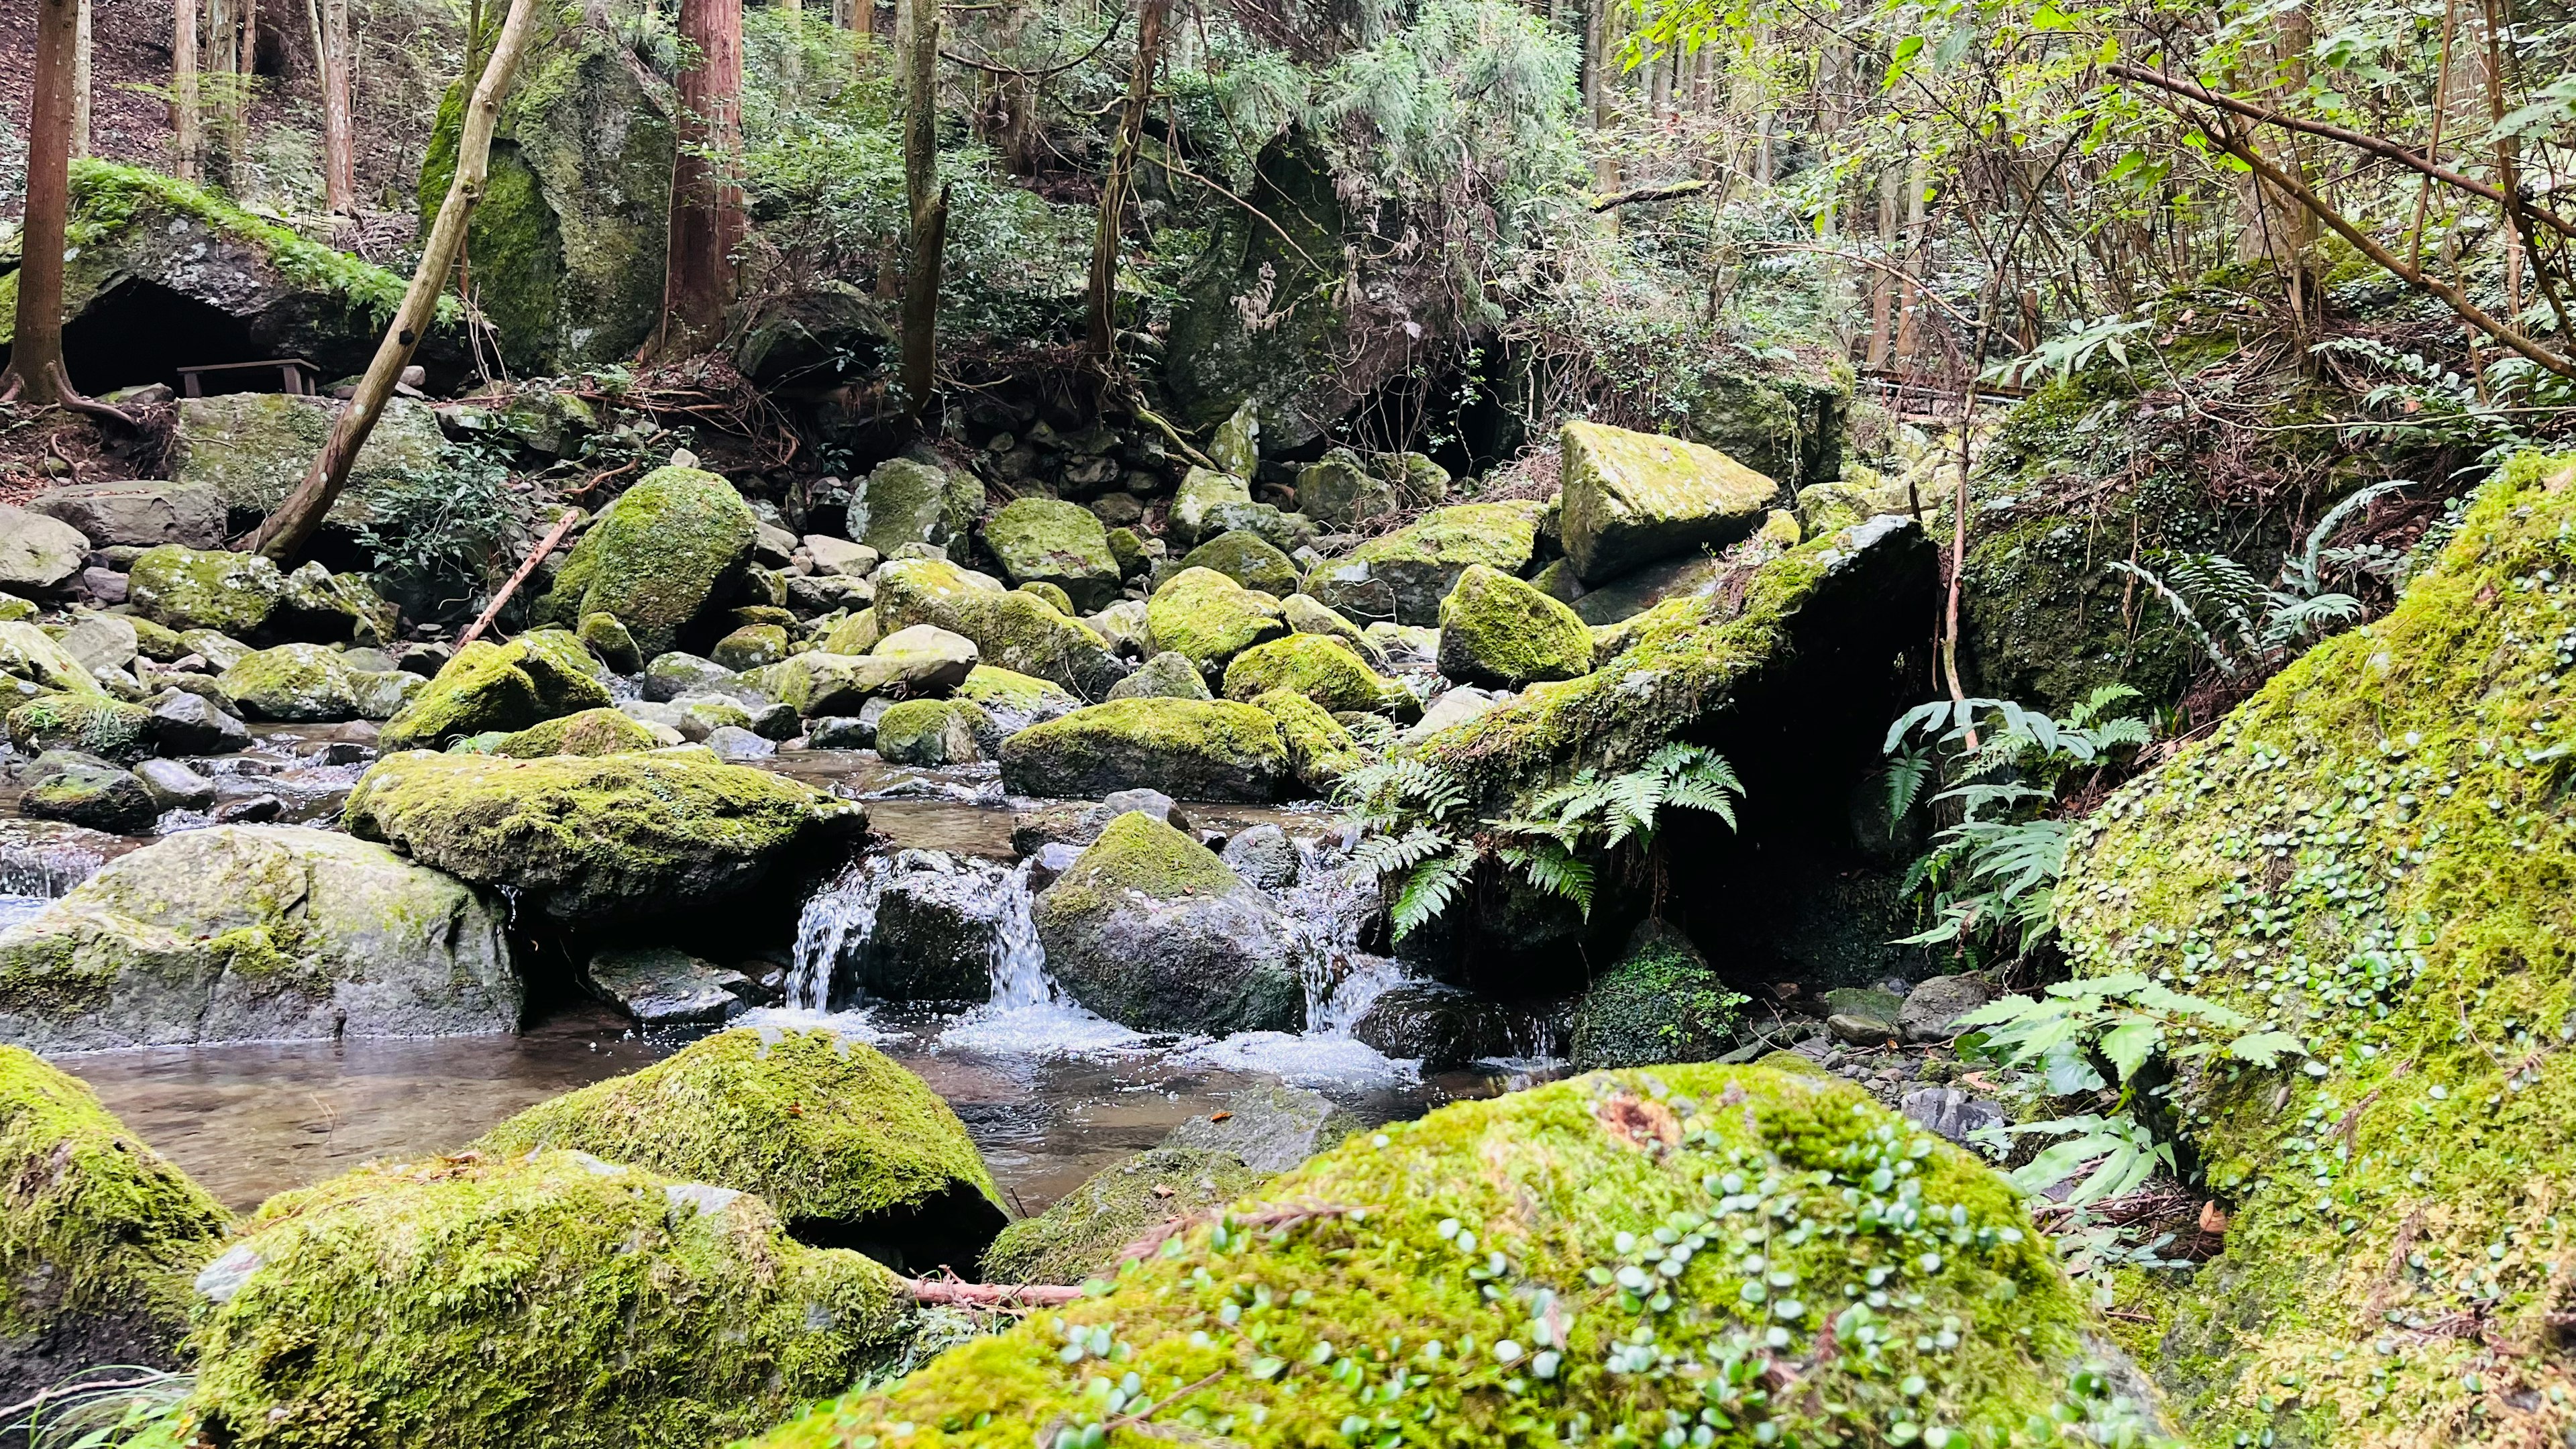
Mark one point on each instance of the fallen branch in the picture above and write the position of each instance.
(1669, 191)
(1172, 434)
(987, 1295)
(553, 538)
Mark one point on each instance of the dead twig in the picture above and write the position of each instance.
(553, 538)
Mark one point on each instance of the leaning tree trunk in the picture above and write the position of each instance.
(283, 534)
(339, 116)
(917, 31)
(1103, 290)
(187, 121)
(706, 206)
(35, 372)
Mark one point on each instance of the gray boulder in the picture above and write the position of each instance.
(1444, 1028)
(1952, 1113)
(143, 513)
(101, 641)
(37, 553)
(189, 724)
(173, 786)
(1263, 856)
(1149, 929)
(84, 790)
(659, 986)
(904, 502)
(252, 448)
(1272, 1127)
(1933, 1005)
(1168, 675)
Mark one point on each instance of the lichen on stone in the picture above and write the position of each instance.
(541, 675)
(1209, 618)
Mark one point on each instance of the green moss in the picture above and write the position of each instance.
(1496, 630)
(663, 558)
(1209, 618)
(1320, 750)
(590, 732)
(187, 588)
(506, 687)
(2374, 854)
(825, 1129)
(1011, 630)
(1661, 1003)
(92, 1221)
(91, 723)
(1008, 696)
(608, 642)
(1478, 1252)
(1142, 854)
(1202, 489)
(1049, 541)
(1634, 498)
(1317, 666)
(1191, 749)
(1248, 559)
(1081, 1236)
(854, 635)
(292, 682)
(934, 732)
(1405, 574)
(552, 1300)
(1056, 598)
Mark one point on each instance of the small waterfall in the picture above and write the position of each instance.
(838, 927)
(32, 865)
(1019, 963)
(1331, 903)
(836, 919)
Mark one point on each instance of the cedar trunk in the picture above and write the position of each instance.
(706, 205)
(187, 118)
(917, 43)
(1103, 290)
(36, 352)
(339, 118)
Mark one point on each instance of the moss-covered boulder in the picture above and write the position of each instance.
(1321, 750)
(252, 448)
(600, 838)
(254, 933)
(1189, 749)
(1088, 1229)
(1047, 540)
(32, 656)
(1150, 929)
(99, 1235)
(554, 1299)
(290, 683)
(1404, 575)
(932, 660)
(1200, 490)
(507, 687)
(1248, 559)
(847, 1147)
(1011, 630)
(91, 723)
(1605, 1252)
(903, 501)
(1056, 598)
(935, 732)
(1208, 618)
(856, 634)
(1500, 632)
(2372, 856)
(753, 646)
(187, 588)
(821, 685)
(590, 732)
(1345, 487)
(1169, 675)
(85, 790)
(609, 643)
(1015, 701)
(1319, 667)
(666, 558)
(1307, 614)
(1660, 1003)
(1633, 498)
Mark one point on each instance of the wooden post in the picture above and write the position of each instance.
(283, 534)
(1103, 289)
(552, 541)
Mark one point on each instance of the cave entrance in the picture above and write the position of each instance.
(140, 332)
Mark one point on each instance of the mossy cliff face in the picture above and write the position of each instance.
(1012, 630)
(664, 559)
(842, 1143)
(555, 1299)
(590, 839)
(487, 687)
(99, 1235)
(1609, 1259)
(2374, 854)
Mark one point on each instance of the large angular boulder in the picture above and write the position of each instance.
(1047, 540)
(1150, 929)
(252, 448)
(1208, 619)
(1202, 489)
(1248, 559)
(1321, 749)
(541, 675)
(1480, 1227)
(1634, 498)
(38, 553)
(1012, 630)
(32, 656)
(848, 1148)
(1404, 575)
(1193, 750)
(254, 933)
(591, 839)
(1086, 1233)
(141, 514)
(1319, 667)
(1499, 632)
(666, 559)
(488, 1301)
(1344, 487)
(99, 1235)
(903, 501)
(290, 683)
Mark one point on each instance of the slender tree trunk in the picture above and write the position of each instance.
(845, 14)
(339, 118)
(83, 143)
(917, 41)
(283, 534)
(35, 372)
(1882, 287)
(706, 203)
(1103, 290)
(187, 118)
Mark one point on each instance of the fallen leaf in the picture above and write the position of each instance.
(2213, 1218)
(1219, 1116)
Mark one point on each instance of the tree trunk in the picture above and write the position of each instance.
(83, 143)
(339, 118)
(845, 14)
(2274, 226)
(917, 43)
(35, 372)
(1882, 287)
(283, 534)
(187, 120)
(706, 204)
(1103, 289)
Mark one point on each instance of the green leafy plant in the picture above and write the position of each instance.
(115, 1406)
(442, 536)
(2072, 351)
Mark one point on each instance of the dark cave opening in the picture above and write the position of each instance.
(140, 332)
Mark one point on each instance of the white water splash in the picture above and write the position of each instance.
(839, 924)
(840, 916)
(1328, 908)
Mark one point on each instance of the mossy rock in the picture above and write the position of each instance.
(99, 1234)
(1209, 618)
(935, 732)
(1481, 1229)
(608, 641)
(665, 558)
(190, 588)
(552, 1299)
(903, 501)
(1189, 749)
(253, 448)
(611, 837)
(1047, 540)
(291, 683)
(1150, 929)
(85, 790)
(1056, 598)
(1499, 632)
(1634, 498)
(2371, 856)
(1404, 575)
(1200, 490)
(1317, 666)
(1307, 614)
(536, 677)
(846, 1146)
(93, 724)
(590, 732)
(255, 933)
(753, 646)
(854, 635)
(1082, 1235)
(1127, 546)
(1321, 750)
(30, 654)
(1169, 675)
(1248, 559)
(1015, 701)
(1660, 1003)
(1011, 630)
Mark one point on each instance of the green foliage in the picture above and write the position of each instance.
(2247, 630)
(116, 1406)
(442, 537)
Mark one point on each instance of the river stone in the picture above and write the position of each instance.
(1151, 930)
(1168, 675)
(37, 554)
(608, 641)
(1272, 1127)
(933, 660)
(1209, 618)
(173, 786)
(817, 683)
(291, 683)
(141, 513)
(840, 556)
(1307, 614)
(189, 724)
(1952, 1113)
(1321, 668)
(1444, 1028)
(733, 742)
(94, 724)
(752, 646)
(257, 932)
(381, 694)
(930, 733)
(1452, 709)
(87, 791)
(1011, 629)
(1211, 750)
(1264, 856)
(590, 732)
(1248, 559)
(1500, 632)
(673, 674)
(589, 840)
(660, 986)
(541, 675)
(1933, 1007)
(252, 448)
(30, 654)
(1200, 490)
(1322, 751)
(1046, 540)
(220, 650)
(666, 559)
(1084, 1235)
(1015, 701)
(942, 926)
(101, 641)
(1342, 487)
(1404, 575)
(186, 589)
(839, 732)
(1633, 498)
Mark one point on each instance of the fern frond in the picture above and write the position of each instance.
(1429, 888)
(1549, 867)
